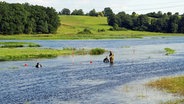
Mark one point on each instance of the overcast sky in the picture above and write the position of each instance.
(138, 6)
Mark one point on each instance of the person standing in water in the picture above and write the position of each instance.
(38, 65)
(111, 57)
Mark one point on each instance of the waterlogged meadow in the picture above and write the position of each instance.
(13, 51)
(84, 79)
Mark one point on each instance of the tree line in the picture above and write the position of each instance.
(93, 12)
(153, 22)
(28, 19)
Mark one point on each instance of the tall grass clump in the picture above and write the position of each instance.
(34, 45)
(12, 46)
(17, 44)
(69, 48)
(171, 84)
(169, 51)
(96, 51)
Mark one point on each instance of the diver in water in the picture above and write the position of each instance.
(106, 60)
(38, 65)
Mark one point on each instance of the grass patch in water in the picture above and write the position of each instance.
(174, 102)
(69, 48)
(14, 54)
(172, 85)
(97, 51)
(17, 44)
(169, 51)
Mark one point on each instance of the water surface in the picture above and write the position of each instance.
(74, 80)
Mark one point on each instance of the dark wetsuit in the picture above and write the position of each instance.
(38, 65)
(106, 60)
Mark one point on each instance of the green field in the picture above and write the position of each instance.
(72, 25)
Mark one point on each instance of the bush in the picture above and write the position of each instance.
(101, 30)
(169, 51)
(34, 45)
(97, 51)
(12, 45)
(85, 31)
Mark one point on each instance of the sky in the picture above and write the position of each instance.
(128, 6)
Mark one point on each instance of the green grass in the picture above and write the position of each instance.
(171, 85)
(169, 51)
(14, 54)
(97, 51)
(72, 27)
(17, 44)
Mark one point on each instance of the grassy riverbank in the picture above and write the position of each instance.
(172, 85)
(13, 51)
(13, 54)
(72, 27)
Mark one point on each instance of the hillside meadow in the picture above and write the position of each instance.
(72, 27)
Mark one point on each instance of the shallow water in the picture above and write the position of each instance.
(74, 80)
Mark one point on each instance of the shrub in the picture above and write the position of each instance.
(169, 51)
(34, 45)
(85, 31)
(101, 30)
(97, 51)
(12, 45)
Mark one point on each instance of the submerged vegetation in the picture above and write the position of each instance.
(169, 51)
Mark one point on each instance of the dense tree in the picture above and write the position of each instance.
(112, 20)
(173, 24)
(101, 14)
(24, 18)
(155, 22)
(108, 12)
(124, 20)
(93, 13)
(142, 22)
(181, 25)
(65, 11)
(77, 12)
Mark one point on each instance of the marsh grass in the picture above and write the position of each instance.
(14, 54)
(171, 84)
(17, 44)
(174, 102)
(97, 51)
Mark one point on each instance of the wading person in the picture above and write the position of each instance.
(106, 60)
(38, 65)
(111, 56)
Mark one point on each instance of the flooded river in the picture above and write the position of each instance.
(74, 80)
